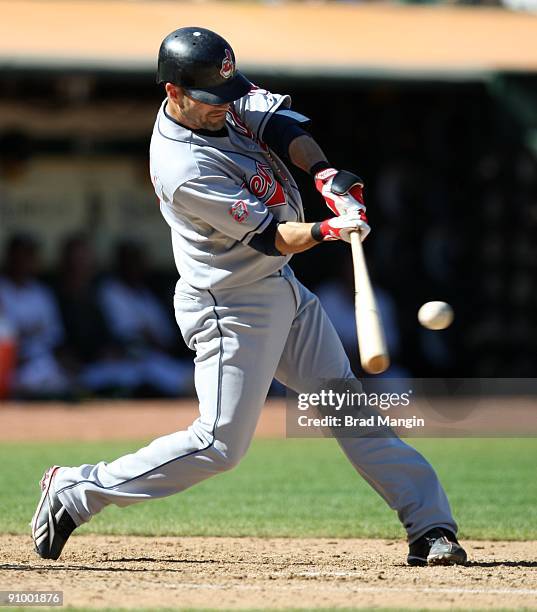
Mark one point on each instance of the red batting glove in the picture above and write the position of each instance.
(341, 190)
(340, 228)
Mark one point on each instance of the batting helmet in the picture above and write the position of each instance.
(203, 63)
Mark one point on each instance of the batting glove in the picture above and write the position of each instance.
(340, 228)
(342, 190)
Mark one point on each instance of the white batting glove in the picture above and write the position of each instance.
(341, 190)
(340, 228)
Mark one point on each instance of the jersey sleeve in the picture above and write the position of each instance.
(256, 108)
(224, 205)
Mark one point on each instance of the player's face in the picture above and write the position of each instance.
(195, 114)
(208, 116)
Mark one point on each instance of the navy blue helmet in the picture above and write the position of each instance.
(203, 63)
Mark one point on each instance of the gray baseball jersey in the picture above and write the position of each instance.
(217, 191)
(249, 320)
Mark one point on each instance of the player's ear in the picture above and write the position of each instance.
(174, 92)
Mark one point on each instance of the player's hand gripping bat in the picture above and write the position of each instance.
(371, 340)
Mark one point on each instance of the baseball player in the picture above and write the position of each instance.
(236, 218)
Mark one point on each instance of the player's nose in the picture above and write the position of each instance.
(221, 108)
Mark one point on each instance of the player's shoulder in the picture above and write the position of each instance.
(251, 113)
(172, 154)
(259, 99)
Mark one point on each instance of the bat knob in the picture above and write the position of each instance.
(377, 364)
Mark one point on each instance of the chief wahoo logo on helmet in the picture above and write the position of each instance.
(228, 66)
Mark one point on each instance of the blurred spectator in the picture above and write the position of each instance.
(87, 336)
(140, 323)
(89, 349)
(8, 354)
(33, 312)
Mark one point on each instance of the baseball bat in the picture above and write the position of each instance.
(374, 355)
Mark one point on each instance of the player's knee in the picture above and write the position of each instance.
(229, 457)
(224, 455)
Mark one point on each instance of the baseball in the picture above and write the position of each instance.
(435, 315)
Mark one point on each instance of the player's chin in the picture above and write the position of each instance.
(216, 122)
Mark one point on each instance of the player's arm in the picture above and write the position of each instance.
(232, 210)
(285, 133)
(269, 117)
(304, 152)
(293, 237)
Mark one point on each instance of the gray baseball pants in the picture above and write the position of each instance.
(243, 338)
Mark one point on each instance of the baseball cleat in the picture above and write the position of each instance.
(51, 524)
(436, 547)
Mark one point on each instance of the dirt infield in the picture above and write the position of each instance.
(269, 573)
(147, 419)
(115, 420)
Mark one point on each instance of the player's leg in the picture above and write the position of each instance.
(394, 469)
(238, 336)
